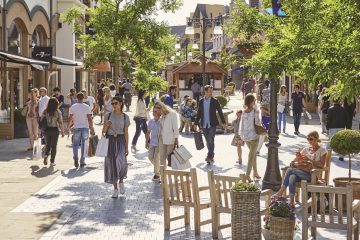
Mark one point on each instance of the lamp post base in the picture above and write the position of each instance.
(272, 179)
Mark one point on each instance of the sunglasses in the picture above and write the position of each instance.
(310, 139)
(115, 103)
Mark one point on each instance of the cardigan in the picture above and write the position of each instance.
(214, 106)
(169, 128)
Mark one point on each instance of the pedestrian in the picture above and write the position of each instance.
(313, 156)
(207, 120)
(80, 118)
(317, 98)
(60, 98)
(298, 103)
(181, 110)
(169, 131)
(196, 90)
(141, 117)
(54, 121)
(43, 101)
(242, 88)
(72, 96)
(282, 107)
(112, 89)
(350, 108)
(336, 121)
(89, 100)
(169, 98)
(189, 113)
(265, 122)
(248, 87)
(100, 100)
(250, 118)
(32, 117)
(107, 100)
(324, 104)
(152, 142)
(237, 141)
(116, 128)
(127, 86)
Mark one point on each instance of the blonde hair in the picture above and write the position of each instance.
(315, 135)
(107, 91)
(164, 108)
(281, 88)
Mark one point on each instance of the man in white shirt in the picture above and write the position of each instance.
(80, 118)
(44, 99)
(89, 100)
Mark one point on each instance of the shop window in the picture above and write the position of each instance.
(4, 97)
(14, 39)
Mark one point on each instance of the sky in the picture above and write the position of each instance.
(179, 17)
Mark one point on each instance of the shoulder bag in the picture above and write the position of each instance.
(103, 145)
(305, 166)
(258, 129)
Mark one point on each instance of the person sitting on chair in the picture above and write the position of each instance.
(300, 169)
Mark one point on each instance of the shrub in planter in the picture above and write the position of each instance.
(245, 211)
(222, 100)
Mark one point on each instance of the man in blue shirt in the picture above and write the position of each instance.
(169, 99)
(207, 120)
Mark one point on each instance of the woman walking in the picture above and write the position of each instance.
(247, 133)
(72, 96)
(100, 100)
(107, 97)
(140, 118)
(116, 125)
(281, 107)
(32, 117)
(53, 117)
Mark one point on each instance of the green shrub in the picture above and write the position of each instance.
(245, 187)
(346, 142)
(222, 100)
(162, 98)
(231, 84)
(18, 118)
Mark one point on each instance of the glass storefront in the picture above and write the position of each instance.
(5, 97)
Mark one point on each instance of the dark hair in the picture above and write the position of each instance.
(80, 96)
(57, 89)
(239, 111)
(120, 100)
(141, 94)
(72, 90)
(52, 106)
(112, 87)
(186, 96)
(207, 87)
(172, 87)
(102, 85)
(267, 83)
(249, 99)
(297, 86)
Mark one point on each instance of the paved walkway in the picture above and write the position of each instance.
(86, 210)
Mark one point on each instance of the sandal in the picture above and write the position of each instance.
(257, 176)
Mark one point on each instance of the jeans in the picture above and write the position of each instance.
(209, 134)
(297, 119)
(281, 118)
(52, 137)
(80, 136)
(252, 145)
(140, 125)
(292, 176)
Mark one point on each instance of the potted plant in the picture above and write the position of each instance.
(20, 128)
(280, 223)
(222, 100)
(245, 211)
(347, 142)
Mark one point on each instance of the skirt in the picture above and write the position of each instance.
(116, 165)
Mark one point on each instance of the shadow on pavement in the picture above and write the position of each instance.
(42, 172)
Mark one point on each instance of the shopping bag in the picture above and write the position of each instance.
(199, 143)
(93, 142)
(86, 148)
(102, 147)
(280, 108)
(182, 154)
(37, 153)
(177, 165)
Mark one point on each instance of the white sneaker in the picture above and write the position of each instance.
(121, 188)
(115, 194)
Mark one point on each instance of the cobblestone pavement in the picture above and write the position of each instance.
(88, 211)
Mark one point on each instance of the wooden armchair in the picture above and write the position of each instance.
(180, 188)
(318, 176)
(220, 187)
(335, 218)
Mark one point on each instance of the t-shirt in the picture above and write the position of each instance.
(43, 102)
(80, 112)
(316, 156)
(118, 123)
(266, 96)
(154, 128)
(90, 102)
(60, 99)
(127, 86)
(297, 101)
(248, 87)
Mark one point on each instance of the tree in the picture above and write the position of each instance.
(125, 32)
(226, 59)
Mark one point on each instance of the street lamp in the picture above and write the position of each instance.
(204, 23)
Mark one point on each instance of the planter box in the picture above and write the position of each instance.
(245, 215)
(20, 130)
(341, 182)
(281, 228)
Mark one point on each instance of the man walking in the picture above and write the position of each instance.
(336, 121)
(207, 120)
(169, 98)
(127, 86)
(248, 87)
(89, 100)
(80, 118)
(298, 103)
(43, 102)
(196, 90)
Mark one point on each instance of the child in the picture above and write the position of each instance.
(189, 113)
(237, 142)
(152, 143)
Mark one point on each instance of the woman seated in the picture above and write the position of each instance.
(300, 169)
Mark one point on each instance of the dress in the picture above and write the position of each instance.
(116, 165)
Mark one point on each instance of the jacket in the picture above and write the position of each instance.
(336, 117)
(169, 128)
(214, 106)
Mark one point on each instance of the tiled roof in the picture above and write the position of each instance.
(178, 30)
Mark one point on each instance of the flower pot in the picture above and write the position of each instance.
(281, 228)
(245, 215)
(266, 233)
(341, 182)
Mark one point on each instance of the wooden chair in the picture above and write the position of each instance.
(335, 218)
(220, 187)
(180, 188)
(318, 176)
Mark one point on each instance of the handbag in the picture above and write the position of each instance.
(182, 154)
(259, 129)
(102, 147)
(199, 142)
(178, 165)
(37, 152)
(280, 108)
(305, 166)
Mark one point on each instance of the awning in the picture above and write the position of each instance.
(66, 62)
(9, 57)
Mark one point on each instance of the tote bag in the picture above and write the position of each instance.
(182, 154)
(37, 149)
(177, 165)
(280, 108)
(102, 147)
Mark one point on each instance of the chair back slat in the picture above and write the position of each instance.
(176, 182)
(224, 186)
(322, 207)
(314, 206)
(340, 208)
(327, 166)
(188, 188)
(184, 192)
(331, 207)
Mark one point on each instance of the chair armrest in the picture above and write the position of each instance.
(203, 188)
(315, 173)
(267, 194)
(356, 206)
